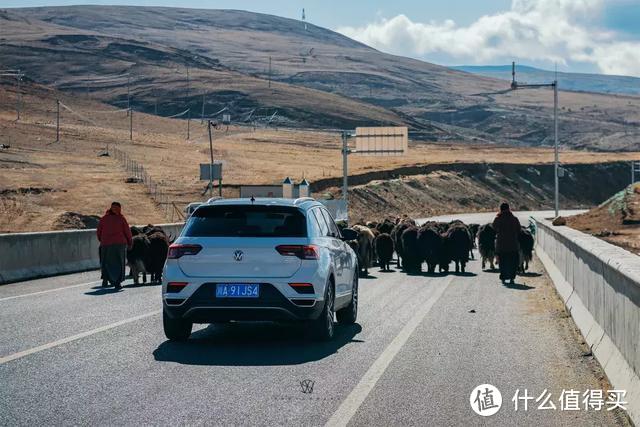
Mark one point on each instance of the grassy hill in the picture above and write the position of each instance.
(319, 78)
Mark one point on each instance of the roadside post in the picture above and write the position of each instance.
(213, 170)
(57, 120)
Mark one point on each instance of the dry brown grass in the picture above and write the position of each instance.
(85, 183)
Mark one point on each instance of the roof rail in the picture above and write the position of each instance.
(303, 199)
(214, 199)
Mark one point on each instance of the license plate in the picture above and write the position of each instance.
(237, 290)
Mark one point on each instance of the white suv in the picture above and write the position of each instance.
(263, 259)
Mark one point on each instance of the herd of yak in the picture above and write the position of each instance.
(436, 244)
(148, 253)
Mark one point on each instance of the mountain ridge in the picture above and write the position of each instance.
(245, 61)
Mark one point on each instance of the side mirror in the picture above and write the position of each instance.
(349, 234)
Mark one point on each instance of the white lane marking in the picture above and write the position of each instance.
(50, 290)
(53, 344)
(354, 400)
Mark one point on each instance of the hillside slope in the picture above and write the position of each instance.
(233, 54)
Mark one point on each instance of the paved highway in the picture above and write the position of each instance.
(72, 353)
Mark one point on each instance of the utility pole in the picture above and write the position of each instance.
(128, 95)
(130, 125)
(202, 119)
(188, 107)
(18, 94)
(345, 162)
(269, 71)
(556, 161)
(57, 120)
(211, 162)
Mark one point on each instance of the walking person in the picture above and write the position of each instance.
(114, 236)
(507, 228)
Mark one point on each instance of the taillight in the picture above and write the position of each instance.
(175, 287)
(300, 251)
(176, 250)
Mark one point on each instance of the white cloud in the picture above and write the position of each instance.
(549, 31)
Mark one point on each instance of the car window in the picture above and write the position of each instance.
(314, 226)
(333, 229)
(324, 228)
(246, 221)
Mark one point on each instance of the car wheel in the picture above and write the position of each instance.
(349, 314)
(176, 329)
(323, 326)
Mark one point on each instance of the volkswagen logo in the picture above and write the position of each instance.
(237, 255)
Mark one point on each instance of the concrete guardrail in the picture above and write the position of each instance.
(600, 286)
(25, 256)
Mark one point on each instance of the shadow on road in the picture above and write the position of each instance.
(465, 274)
(530, 274)
(253, 344)
(103, 291)
(99, 290)
(518, 286)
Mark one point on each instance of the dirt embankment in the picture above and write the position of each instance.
(616, 221)
(440, 189)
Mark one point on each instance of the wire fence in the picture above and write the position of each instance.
(139, 174)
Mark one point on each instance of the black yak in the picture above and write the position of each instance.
(487, 244)
(412, 258)
(431, 247)
(457, 243)
(525, 240)
(396, 235)
(473, 230)
(383, 245)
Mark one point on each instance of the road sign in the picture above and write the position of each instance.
(635, 170)
(226, 119)
(382, 141)
(210, 172)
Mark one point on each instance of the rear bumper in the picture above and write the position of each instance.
(203, 306)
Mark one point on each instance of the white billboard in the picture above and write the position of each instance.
(382, 141)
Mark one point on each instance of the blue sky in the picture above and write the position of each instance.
(579, 35)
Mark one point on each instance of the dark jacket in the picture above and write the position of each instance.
(507, 229)
(113, 229)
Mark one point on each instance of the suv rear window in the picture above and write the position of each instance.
(246, 221)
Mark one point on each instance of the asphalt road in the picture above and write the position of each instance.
(71, 353)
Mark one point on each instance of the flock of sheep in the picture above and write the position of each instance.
(436, 244)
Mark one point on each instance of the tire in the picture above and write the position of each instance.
(323, 327)
(176, 329)
(349, 314)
